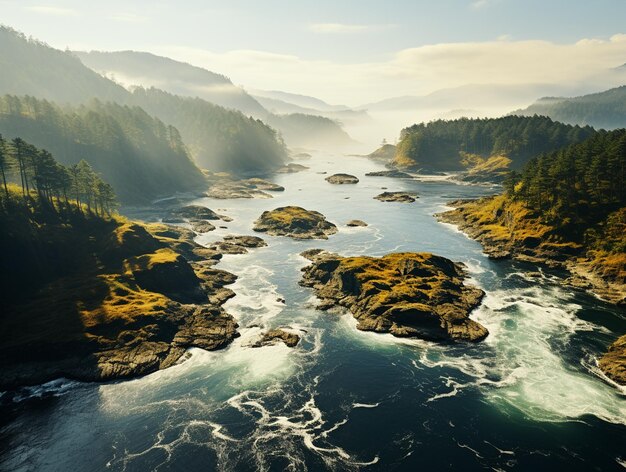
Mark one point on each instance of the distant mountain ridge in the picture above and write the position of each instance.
(33, 68)
(180, 78)
(298, 127)
(605, 109)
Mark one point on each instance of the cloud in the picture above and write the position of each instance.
(478, 4)
(344, 28)
(54, 11)
(420, 70)
(128, 18)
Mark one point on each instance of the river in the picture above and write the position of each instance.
(527, 398)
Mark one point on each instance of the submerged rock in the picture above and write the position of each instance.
(295, 222)
(353, 223)
(397, 174)
(406, 294)
(246, 188)
(291, 168)
(342, 179)
(402, 197)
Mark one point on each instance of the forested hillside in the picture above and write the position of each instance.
(601, 110)
(566, 209)
(577, 187)
(31, 67)
(216, 135)
(300, 129)
(218, 139)
(141, 157)
(454, 145)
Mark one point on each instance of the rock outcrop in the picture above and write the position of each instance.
(277, 335)
(237, 244)
(138, 297)
(354, 223)
(246, 188)
(406, 294)
(613, 363)
(340, 179)
(396, 174)
(295, 222)
(402, 197)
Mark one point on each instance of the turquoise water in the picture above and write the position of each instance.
(529, 397)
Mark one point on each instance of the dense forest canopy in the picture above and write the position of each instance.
(602, 110)
(141, 157)
(218, 139)
(444, 145)
(576, 187)
(49, 184)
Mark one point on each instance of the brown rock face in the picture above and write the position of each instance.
(613, 363)
(406, 294)
(277, 335)
(295, 222)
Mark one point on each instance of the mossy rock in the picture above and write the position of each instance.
(295, 222)
(405, 294)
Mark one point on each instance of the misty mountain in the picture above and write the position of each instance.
(149, 70)
(140, 156)
(31, 67)
(219, 138)
(179, 78)
(472, 96)
(303, 101)
(601, 110)
(280, 107)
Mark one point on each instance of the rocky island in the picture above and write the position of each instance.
(401, 197)
(340, 179)
(295, 222)
(406, 294)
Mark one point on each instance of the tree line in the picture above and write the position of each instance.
(39, 175)
(577, 186)
(441, 143)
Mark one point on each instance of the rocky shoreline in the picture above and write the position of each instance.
(498, 244)
(156, 295)
(405, 294)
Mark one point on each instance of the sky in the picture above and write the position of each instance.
(352, 52)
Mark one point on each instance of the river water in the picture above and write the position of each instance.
(529, 397)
